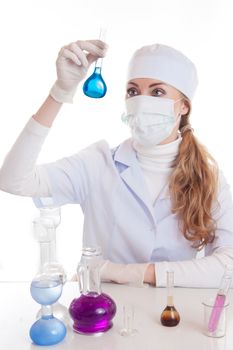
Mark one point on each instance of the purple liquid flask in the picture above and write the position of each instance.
(93, 311)
(220, 299)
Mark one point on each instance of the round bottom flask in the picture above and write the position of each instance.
(93, 311)
(170, 317)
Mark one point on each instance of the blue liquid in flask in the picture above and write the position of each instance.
(95, 86)
(48, 330)
(46, 292)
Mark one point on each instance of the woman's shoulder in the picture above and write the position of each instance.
(99, 151)
(222, 178)
(224, 186)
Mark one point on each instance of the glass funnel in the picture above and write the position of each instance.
(93, 311)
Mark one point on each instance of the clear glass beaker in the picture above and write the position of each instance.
(210, 308)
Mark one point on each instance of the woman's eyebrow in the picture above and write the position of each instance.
(131, 82)
(154, 84)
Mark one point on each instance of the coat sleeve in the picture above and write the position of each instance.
(206, 272)
(75, 178)
(19, 174)
(65, 181)
(48, 184)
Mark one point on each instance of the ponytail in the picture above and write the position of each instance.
(193, 188)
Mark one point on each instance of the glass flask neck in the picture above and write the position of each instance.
(97, 69)
(47, 253)
(170, 287)
(51, 213)
(45, 233)
(89, 271)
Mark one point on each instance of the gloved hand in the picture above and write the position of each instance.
(123, 273)
(72, 65)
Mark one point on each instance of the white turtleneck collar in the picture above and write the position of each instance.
(158, 158)
(156, 165)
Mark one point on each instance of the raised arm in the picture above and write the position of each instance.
(19, 173)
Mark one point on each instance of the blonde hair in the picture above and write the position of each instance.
(193, 187)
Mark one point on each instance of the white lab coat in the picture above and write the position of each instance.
(118, 211)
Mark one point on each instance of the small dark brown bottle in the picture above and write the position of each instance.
(170, 316)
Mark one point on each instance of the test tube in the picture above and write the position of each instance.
(220, 298)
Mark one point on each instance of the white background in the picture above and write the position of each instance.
(32, 33)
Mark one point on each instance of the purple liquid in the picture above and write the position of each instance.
(216, 312)
(92, 313)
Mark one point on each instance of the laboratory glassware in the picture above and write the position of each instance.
(210, 308)
(93, 311)
(220, 298)
(170, 316)
(46, 289)
(51, 212)
(128, 321)
(95, 85)
(45, 231)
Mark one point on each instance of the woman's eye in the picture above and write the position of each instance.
(158, 92)
(132, 92)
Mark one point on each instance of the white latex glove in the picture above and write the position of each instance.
(132, 274)
(72, 65)
(123, 273)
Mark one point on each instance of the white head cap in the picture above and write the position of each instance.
(164, 63)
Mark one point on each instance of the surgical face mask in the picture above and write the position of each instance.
(151, 119)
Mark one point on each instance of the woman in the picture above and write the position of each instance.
(156, 199)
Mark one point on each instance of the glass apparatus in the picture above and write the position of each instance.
(95, 85)
(170, 316)
(128, 321)
(45, 232)
(46, 289)
(220, 299)
(93, 311)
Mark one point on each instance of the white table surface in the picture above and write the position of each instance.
(18, 310)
